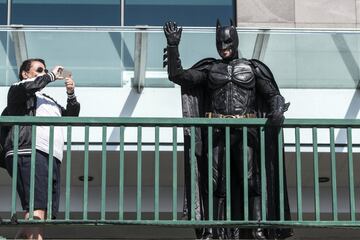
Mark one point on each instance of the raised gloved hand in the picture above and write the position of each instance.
(172, 33)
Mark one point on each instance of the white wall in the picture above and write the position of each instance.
(166, 102)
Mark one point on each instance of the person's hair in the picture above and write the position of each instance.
(26, 65)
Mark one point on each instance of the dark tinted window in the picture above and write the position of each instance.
(66, 12)
(3, 12)
(185, 12)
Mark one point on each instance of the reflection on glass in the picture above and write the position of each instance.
(314, 60)
(185, 12)
(3, 12)
(106, 59)
(8, 67)
(64, 13)
(95, 58)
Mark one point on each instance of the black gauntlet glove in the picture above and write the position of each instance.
(171, 52)
(278, 106)
(172, 33)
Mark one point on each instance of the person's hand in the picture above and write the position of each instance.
(70, 85)
(276, 118)
(172, 33)
(56, 71)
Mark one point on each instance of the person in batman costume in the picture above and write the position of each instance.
(230, 87)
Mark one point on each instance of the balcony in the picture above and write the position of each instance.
(129, 151)
(133, 173)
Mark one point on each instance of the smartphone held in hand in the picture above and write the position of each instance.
(63, 73)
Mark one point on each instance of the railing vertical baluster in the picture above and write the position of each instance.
(298, 174)
(68, 174)
(139, 172)
(351, 175)
(86, 174)
(263, 174)
(245, 173)
(228, 175)
(210, 173)
(174, 173)
(157, 173)
(193, 163)
(103, 174)
(15, 170)
(333, 175)
(121, 174)
(332, 146)
(32, 172)
(316, 175)
(50, 172)
(281, 174)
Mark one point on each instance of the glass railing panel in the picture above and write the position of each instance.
(314, 59)
(191, 51)
(127, 48)
(95, 58)
(156, 75)
(194, 46)
(8, 68)
(3, 57)
(325, 60)
(105, 57)
(246, 44)
(297, 59)
(280, 56)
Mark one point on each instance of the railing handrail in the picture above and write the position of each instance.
(162, 121)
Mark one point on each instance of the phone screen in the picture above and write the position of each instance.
(64, 73)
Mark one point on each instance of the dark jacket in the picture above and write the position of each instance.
(4, 130)
(22, 102)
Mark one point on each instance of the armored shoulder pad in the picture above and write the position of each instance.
(203, 63)
(263, 71)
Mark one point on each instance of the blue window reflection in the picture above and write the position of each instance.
(185, 12)
(66, 12)
(3, 12)
(108, 12)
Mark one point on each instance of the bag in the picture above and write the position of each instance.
(4, 130)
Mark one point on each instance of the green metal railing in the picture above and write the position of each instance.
(294, 126)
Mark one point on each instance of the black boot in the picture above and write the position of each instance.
(258, 233)
(255, 210)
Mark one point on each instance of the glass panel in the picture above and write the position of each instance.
(3, 12)
(66, 12)
(8, 67)
(185, 12)
(297, 60)
(190, 50)
(246, 44)
(314, 60)
(3, 57)
(93, 57)
(98, 58)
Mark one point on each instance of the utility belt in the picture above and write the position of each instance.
(218, 115)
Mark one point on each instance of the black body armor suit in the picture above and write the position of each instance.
(226, 87)
(232, 88)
